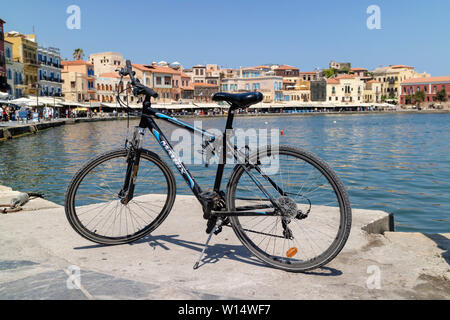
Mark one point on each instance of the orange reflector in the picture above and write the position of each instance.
(291, 252)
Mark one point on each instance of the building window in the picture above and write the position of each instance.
(158, 80)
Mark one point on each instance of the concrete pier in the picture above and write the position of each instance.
(39, 250)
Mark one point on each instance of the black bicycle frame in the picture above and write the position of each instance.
(148, 122)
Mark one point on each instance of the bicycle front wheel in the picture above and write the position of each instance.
(95, 210)
(312, 218)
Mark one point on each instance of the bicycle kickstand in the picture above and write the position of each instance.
(218, 224)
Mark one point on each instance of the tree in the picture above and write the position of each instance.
(78, 54)
(408, 99)
(419, 97)
(383, 98)
(328, 73)
(441, 96)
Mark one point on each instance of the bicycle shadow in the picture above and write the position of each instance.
(215, 253)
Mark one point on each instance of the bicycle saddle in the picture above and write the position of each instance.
(242, 100)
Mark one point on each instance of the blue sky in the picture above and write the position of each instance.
(232, 33)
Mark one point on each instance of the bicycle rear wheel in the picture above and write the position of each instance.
(315, 222)
(94, 208)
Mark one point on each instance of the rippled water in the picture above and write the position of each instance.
(399, 163)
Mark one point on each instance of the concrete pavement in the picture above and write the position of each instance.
(39, 251)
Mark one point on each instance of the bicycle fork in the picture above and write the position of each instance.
(133, 160)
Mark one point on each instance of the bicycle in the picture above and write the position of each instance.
(295, 224)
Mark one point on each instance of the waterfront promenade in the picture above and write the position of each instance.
(40, 251)
(15, 129)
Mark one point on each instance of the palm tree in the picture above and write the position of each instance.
(78, 54)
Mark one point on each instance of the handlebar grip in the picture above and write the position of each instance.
(128, 64)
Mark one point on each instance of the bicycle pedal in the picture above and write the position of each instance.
(219, 230)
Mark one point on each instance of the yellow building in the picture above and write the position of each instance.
(25, 51)
(391, 78)
(296, 89)
(372, 92)
(345, 89)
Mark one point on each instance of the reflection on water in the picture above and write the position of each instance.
(396, 163)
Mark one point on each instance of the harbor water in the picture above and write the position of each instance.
(398, 163)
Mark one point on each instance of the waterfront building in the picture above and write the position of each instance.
(345, 89)
(4, 87)
(106, 62)
(286, 71)
(14, 73)
(159, 78)
(310, 75)
(187, 89)
(25, 52)
(212, 74)
(391, 78)
(361, 73)
(50, 81)
(78, 81)
(296, 90)
(372, 92)
(270, 86)
(199, 74)
(203, 92)
(318, 90)
(430, 85)
(107, 86)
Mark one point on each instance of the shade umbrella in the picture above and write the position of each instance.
(21, 101)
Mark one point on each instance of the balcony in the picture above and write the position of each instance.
(50, 64)
(44, 78)
(31, 62)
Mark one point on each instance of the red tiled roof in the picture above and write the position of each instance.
(332, 81)
(346, 76)
(308, 72)
(75, 63)
(159, 69)
(286, 67)
(358, 69)
(155, 69)
(427, 80)
(257, 67)
(400, 66)
(373, 81)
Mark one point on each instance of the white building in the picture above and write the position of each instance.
(49, 74)
(14, 72)
(106, 62)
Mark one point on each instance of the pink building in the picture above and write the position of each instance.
(431, 86)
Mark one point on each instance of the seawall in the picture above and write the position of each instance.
(18, 131)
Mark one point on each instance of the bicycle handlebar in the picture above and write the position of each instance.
(138, 88)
